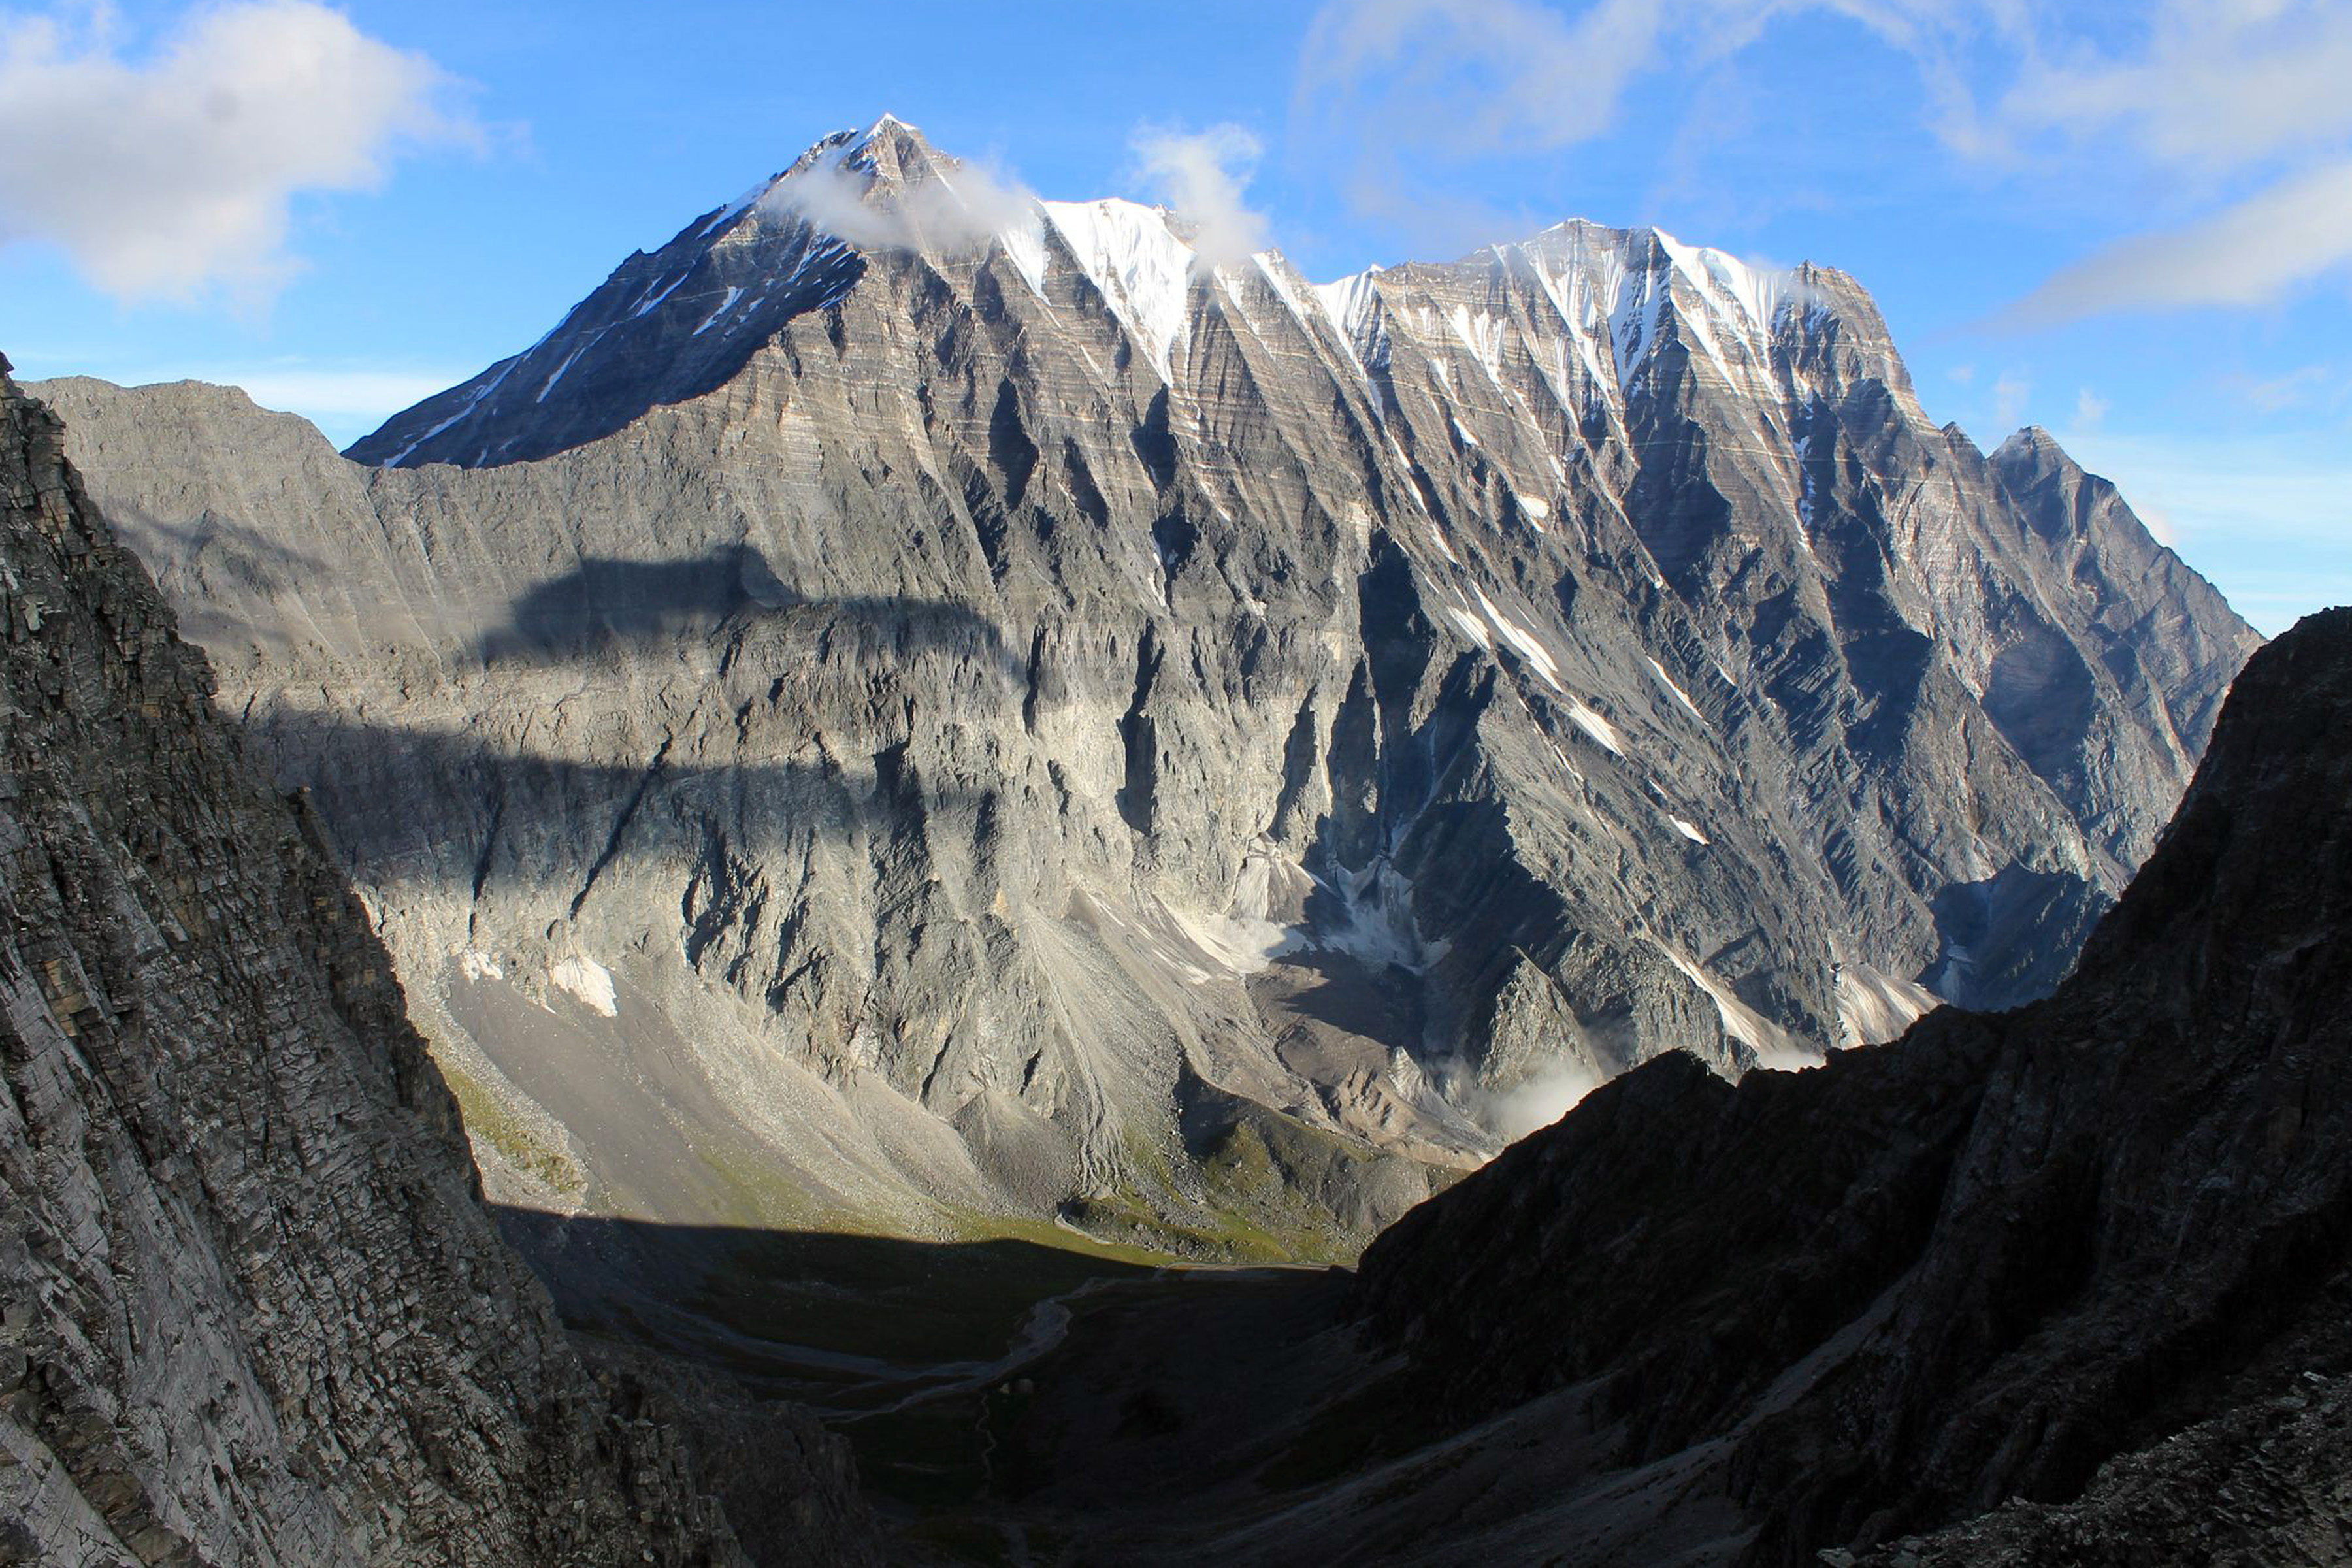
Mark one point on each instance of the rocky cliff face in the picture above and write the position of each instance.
(254, 1311)
(2064, 1285)
(1978, 1265)
(970, 708)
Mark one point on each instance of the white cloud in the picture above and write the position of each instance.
(2218, 85)
(2266, 518)
(1201, 174)
(2233, 105)
(164, 176)
(960, 210)
(2009, 395)
(1963, 373)
(2277, 393)
(2090, 410)
(1531, 72)
(2246, 255)
(1396, 88)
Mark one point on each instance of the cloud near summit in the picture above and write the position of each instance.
(165, 175)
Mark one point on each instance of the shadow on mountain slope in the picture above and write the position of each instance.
(606, 604)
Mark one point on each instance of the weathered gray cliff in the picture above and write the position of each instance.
(908, 705)
(252, 1311)
(2058, 1287)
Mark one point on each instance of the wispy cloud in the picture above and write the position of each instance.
(2090, 410)
(1202, 174)
(2277, 393)
(1400, 84)
(2270, 519)
(2009, 393)
(163, 175)
(2245, 255)
(343, 399)
(2236, 106)
(2214, 86)
(955, 211)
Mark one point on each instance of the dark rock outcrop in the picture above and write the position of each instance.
(1982, 1263)
(251, 1309)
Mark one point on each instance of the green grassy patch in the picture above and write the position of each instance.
(488, 1120)
(915, 1303)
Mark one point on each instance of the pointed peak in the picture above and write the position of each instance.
(895, 151)
(2031, 438)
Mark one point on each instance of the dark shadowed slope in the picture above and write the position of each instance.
(2029, 1240)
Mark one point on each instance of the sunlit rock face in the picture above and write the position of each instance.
(914, 702)
(254, 1309)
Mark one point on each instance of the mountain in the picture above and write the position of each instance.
(916, 708)
(255, 1313)
(2064, 1285)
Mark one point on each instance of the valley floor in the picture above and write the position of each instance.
(1032, 1402)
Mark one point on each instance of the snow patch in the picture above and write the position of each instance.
(1686, 829)
(647, 304)
(733, 294)
(1025, 247)
(1594, 725)
(1873, 1007)
(1679, 694)
(548, 386)
(589, 981)
(1523, 642)
(732, 210)
(1471, 626)
(1380, 927)
(479, 966)
(1142, 270)
(1278, 274)
(1771, 1044)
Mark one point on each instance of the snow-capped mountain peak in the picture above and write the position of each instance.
(1587, 306)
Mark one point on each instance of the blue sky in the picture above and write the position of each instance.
(2131, 223)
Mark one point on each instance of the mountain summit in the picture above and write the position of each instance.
(676, 323)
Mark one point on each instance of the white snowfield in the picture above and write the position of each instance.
(589, 981)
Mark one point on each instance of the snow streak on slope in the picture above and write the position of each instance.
(1143, 271)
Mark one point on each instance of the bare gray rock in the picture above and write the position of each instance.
(252, 1311)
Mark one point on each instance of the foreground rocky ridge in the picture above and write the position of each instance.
(2015, 1244)
(994, 717)
(2066, 1284)
(255, 1312)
